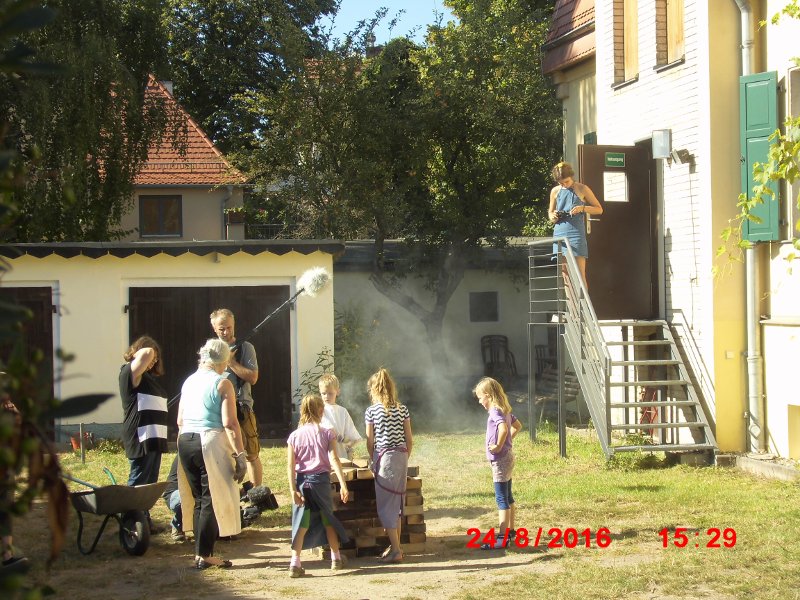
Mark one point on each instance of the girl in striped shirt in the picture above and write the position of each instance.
(389, 443)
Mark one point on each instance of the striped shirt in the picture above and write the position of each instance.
(389, 430)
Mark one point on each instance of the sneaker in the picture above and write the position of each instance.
(16, 564)
(295, 572)
(338, 565)
(178, 535)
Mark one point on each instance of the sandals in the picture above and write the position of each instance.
(386, 552)
(202, 564)
(392, 557)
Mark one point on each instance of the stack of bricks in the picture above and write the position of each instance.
(360, 518)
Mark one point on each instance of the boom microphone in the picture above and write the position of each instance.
(310, 283)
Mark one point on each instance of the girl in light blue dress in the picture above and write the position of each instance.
(570, 201)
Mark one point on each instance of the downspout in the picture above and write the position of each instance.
(756, 438)
(223, 206)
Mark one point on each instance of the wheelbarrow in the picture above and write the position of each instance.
(128, 505)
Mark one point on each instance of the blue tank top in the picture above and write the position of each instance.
(202, 404)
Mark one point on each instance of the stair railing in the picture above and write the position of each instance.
(580, 329)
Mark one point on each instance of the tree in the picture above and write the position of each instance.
(88, 125)
(440, 146)
(494, 131)
(24, 445)
(221, 51)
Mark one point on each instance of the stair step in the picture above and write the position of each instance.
(652, 383)
(665, 403)
(690, 425)
(638, 343)
(665, 448)
(643, 363)
(631, 323)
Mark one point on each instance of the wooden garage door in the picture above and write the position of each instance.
(177, 317)
(38, 331)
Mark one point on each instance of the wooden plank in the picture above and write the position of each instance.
(365, 541)
(416, 538)
(414, 519)
(414, 500)
(413, 510)
(364, 474)
(362, 463)
(415, 528)
(413, 472)
(413, 483)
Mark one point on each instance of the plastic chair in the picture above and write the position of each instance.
(498, 360)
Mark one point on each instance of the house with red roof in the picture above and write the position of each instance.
(186, 185)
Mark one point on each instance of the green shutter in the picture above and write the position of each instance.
(758, 119)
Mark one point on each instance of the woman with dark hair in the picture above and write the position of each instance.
(144, 402)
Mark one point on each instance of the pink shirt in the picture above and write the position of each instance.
(311, 444)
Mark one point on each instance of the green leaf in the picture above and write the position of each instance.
(78, 405)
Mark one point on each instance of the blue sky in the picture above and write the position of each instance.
(418, 13)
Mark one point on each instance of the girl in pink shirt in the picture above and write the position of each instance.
(311, 452)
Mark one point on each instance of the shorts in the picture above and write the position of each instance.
(503, 467)
(249, 427)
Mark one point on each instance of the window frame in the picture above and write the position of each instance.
(160, 198)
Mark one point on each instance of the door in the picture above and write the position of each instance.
(178, 318)
(37, 332)
(621, 270)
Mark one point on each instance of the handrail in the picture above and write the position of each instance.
(582, 335)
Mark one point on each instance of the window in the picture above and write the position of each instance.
(626, 40)
(483, 307)
(160, 216)
(669, 32)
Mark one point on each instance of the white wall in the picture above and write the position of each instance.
(92, 293)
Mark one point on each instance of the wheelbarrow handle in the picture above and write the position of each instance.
(76, 480)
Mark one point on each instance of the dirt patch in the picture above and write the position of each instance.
(261, 556)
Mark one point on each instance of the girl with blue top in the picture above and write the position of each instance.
(501, 427)
(570, 201)
(211, 454)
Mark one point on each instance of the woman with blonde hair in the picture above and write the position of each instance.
(211, 454)
(570, 201)
(389, 443)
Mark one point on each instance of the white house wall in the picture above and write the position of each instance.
(93, 292)
(576, 89)
(201, 208)
(410, 356)
(698, 101)
(781, 330)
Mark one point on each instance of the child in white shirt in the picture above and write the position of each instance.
(337, 418)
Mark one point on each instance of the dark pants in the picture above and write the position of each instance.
(206, 530)
(144, 469)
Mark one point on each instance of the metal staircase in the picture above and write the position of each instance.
(638, 391)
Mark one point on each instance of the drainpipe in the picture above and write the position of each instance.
(756, 435)
(223, 205)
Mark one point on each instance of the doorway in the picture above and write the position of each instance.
(622, 269)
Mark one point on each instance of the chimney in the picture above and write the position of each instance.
(168, 85)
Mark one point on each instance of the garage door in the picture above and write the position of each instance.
(177, 317)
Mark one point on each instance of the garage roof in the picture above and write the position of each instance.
(149, 249)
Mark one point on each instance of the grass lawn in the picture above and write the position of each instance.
(634, 498)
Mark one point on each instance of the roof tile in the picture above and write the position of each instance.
(195, 160)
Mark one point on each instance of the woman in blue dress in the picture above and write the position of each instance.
(570, 200)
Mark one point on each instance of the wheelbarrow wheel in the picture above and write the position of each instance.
(134, 532)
